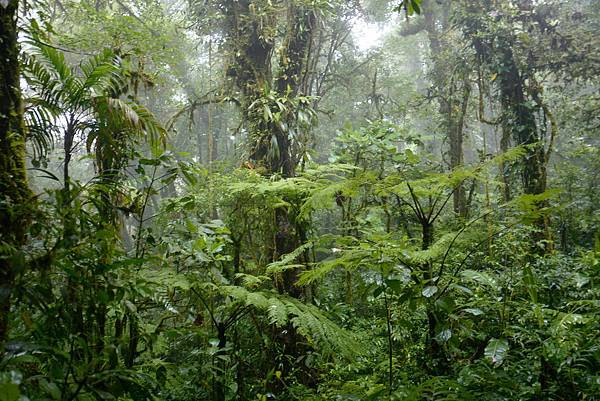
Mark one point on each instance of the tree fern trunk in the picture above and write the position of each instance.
(436, 363)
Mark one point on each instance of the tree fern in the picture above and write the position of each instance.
(307, 319)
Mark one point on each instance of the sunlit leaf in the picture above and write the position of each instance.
(496, 350)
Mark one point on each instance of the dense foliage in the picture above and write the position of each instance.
(299, 200)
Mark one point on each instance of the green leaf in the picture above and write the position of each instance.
(51, 389)
(47, 174)
(480, 277)
(443, 336)
(429, 291)
(416, 6)
(581, 280)
(9, 392)
(474, 311)
(410, 6)
(161, 375)
(411, 157)
(105, 395)
(130, 306)
(496, 350)
(287, 261)
(394, 284)
(150, 162)
(378, 291)
(308, 320)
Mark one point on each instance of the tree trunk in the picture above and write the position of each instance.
(523, 128)
(505, 167)
(251, 48)
(455, 137)
(251, 40)
(519, 111)
(437, 363)
(293, 61)
(270, 144)
(452, 109)
(15, 196)
(521, 121)
(292, 65)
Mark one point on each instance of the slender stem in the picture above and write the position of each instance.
(439, 275)
(69, 370)
(139, 252)
(388, 319)
(462, 263)
(419, 209)
(212, 317)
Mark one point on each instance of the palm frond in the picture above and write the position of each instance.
(40, 119)
(52, 59)
(88, 95)
(102, 74)
(138, 119)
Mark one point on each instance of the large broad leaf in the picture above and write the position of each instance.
(480, 277)
(395, 285)
(409, 6)
(496, 350)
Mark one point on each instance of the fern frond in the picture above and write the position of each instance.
(286, 261)
(307, 319)
(251, 282)
(349, 259)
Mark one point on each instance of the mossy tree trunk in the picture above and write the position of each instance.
(294, 58)
(519, 113)
(15, 196)
(250, 43)
(498, 49)
(521, 120)
(292, 68)
(252, 29)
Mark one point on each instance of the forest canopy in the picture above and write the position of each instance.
(299, 200)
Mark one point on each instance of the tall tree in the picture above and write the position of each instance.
(271, 101)
(501, 34)
(490, 28)
(450, 84)
(251, 28)
(15, 196)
